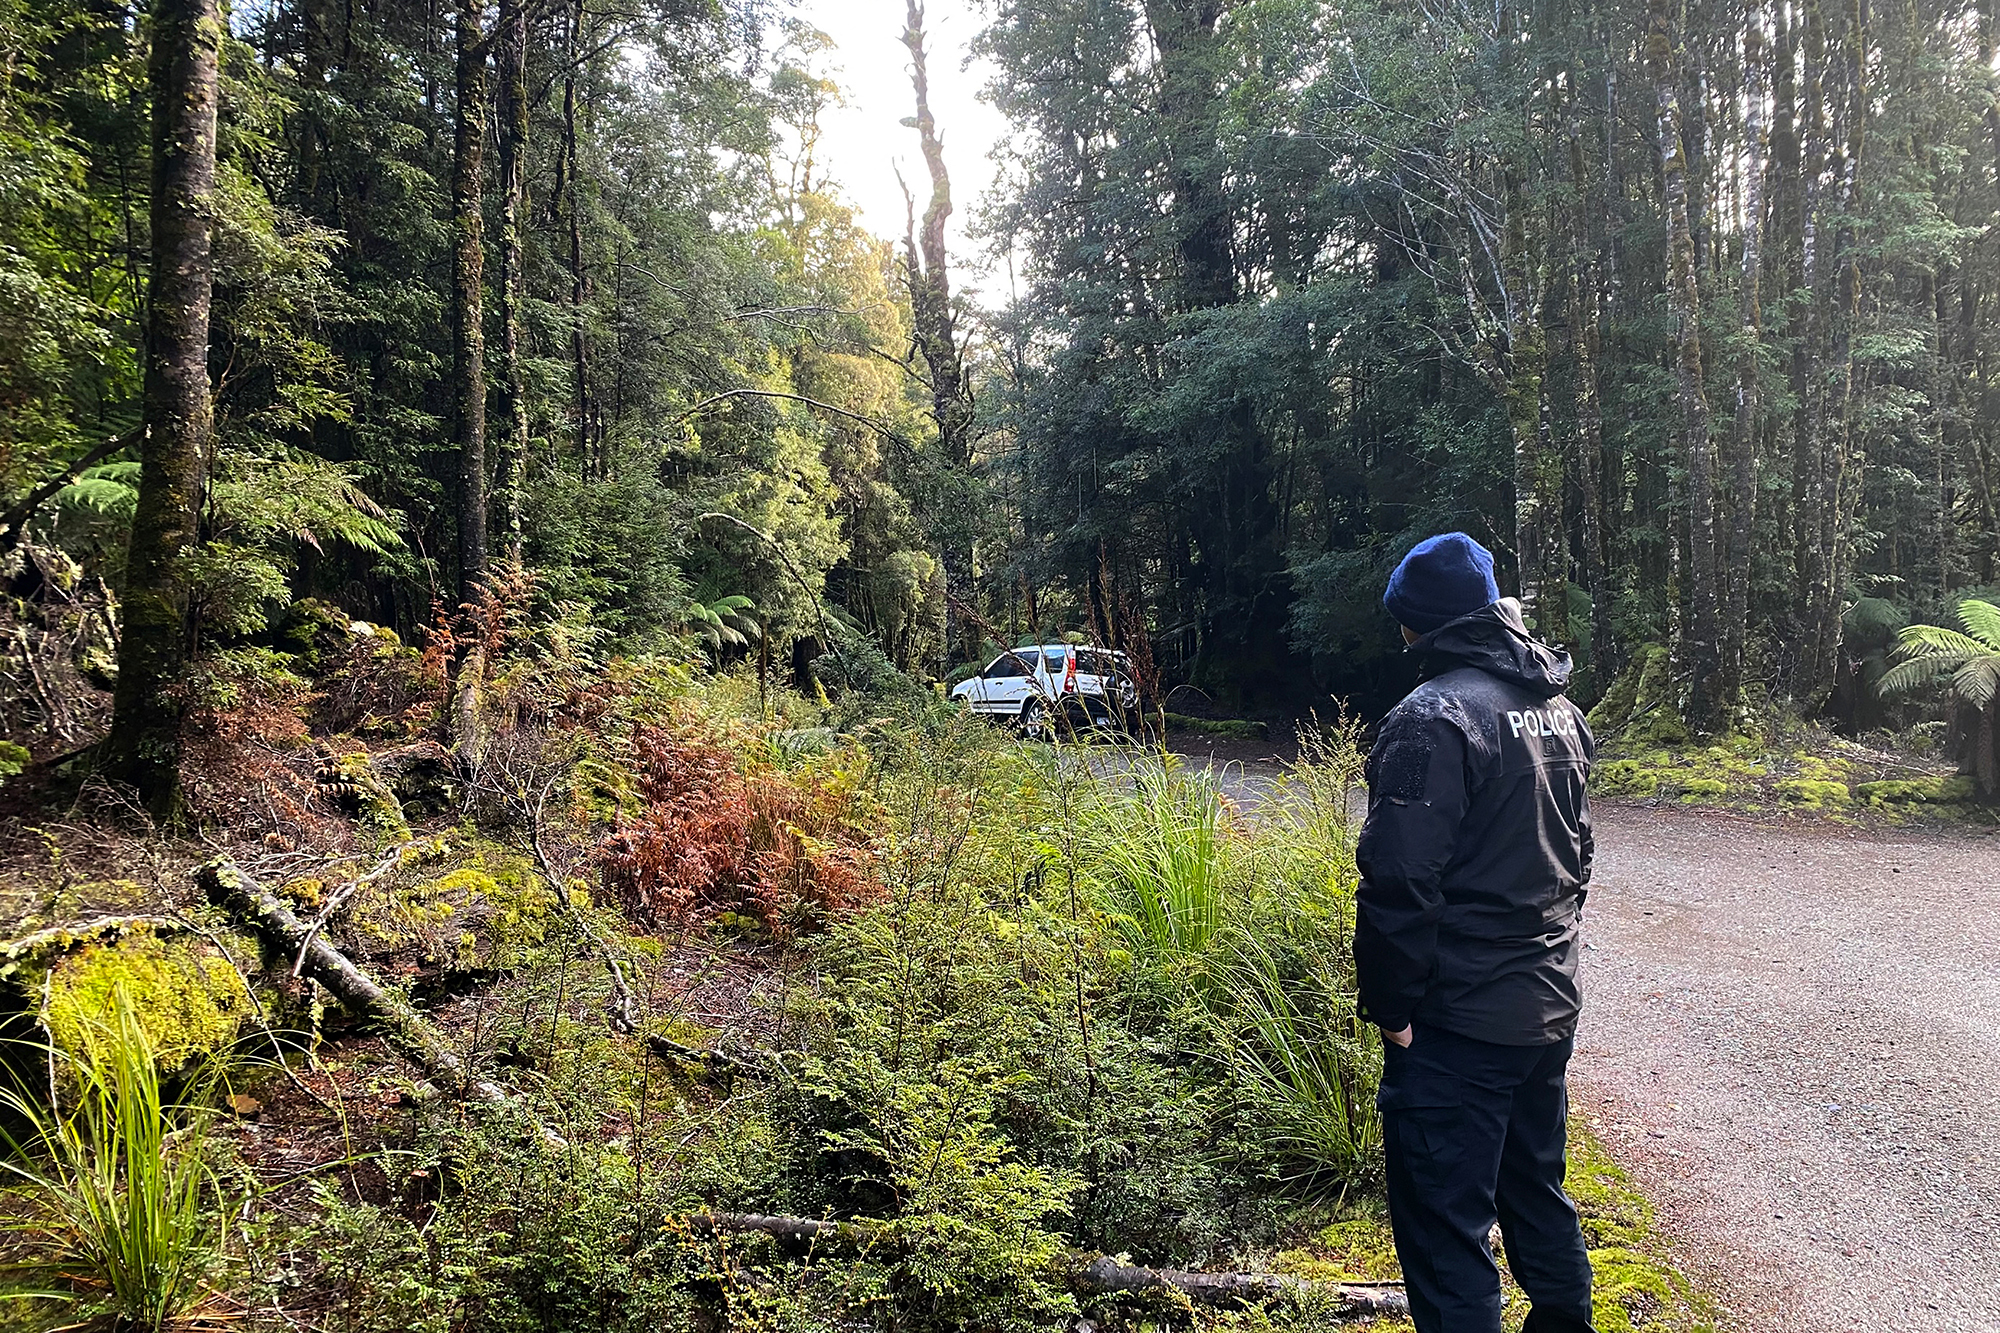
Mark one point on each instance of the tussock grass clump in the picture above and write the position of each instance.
(1161, 856)
(116, 1196)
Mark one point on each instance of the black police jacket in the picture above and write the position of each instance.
(1477, 845)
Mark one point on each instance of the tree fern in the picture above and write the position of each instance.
(726, 622)
(1969, 661)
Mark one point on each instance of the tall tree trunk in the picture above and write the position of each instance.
(513, 38)
(1588, 406)
(1515, 367)
(1707, 709)
(579, 283)
(468, 188)
(1809, 498)
(1841, 484)
(157, 634)
(1243, 588)
(1743, 433)
(937, 343)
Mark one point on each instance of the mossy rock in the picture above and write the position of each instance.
(313, 631)
(350, 779)
(1639, 709)
(13, 759)
(1814, 793)
(1625, 777)
(1916, 791)
(188, 1001)
(1703, 789)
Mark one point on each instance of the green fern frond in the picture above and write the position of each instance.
(305, 500)
(111, 489)
(1936, 641)
(1912, 675)
(1977, 682)
(1981, 621)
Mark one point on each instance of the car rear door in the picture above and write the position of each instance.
(1005, 684)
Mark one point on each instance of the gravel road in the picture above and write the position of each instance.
(1792, 1036)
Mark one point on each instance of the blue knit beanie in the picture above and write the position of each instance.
(1441, 579)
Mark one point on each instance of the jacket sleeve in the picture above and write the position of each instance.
(1589, 843)
(1416, 801)
(1584, 826)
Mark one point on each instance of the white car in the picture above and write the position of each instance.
(1032, 685)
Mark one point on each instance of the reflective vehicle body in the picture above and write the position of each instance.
(1034, 684)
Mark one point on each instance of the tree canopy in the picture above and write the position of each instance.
(1682, 309)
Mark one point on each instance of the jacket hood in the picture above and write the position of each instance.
(1495, 639)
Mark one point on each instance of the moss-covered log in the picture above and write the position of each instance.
(1089, 1274)
(416, 1037)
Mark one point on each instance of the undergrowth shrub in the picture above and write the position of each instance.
(778, 848)
(1036, 999)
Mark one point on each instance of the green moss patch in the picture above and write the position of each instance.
(1916, 791)
(1814, 793)
(1713, 773)
(488, 907)
(1803, 771)
(188, 1001)
(1235, 729)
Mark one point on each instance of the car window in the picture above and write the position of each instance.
(1057, 659)
(1008, 664)
(1098, 664)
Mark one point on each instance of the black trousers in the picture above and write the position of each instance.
(1475, 1134)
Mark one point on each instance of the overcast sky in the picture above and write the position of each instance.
(864, 143)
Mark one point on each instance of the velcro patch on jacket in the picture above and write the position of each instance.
(1405, 769)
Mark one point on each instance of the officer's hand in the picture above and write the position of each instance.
(1400, 1038)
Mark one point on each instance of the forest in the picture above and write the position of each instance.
(1678, 307)
(487, 533)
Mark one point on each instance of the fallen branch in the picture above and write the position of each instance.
(1105, 1276)
(415, 1036)
(714, 1061)
(621, 1009)
(59, 938)
(1089, 1274)
(342, 895)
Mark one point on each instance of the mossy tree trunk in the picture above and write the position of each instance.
(1707, 709)
(157, 636)
(569, 188)
(1842, 472)
(1743, 433)
(1588, 408)
(937, 342)
(513, 37)
(1986, 751)
(468, 185)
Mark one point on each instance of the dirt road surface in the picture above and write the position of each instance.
(1792, 1036)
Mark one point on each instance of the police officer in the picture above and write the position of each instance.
(1473, 864)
